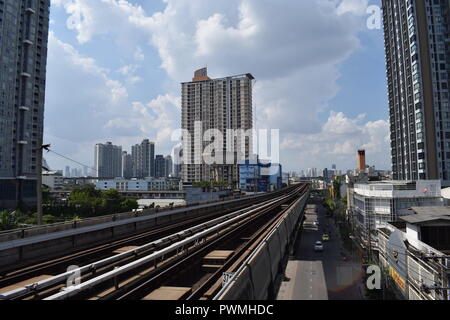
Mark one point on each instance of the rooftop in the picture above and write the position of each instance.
(425, 214)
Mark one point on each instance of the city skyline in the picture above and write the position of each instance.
(142, 87)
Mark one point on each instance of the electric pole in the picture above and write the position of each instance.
(39, 150)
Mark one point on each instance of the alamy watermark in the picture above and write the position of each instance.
(231, 146)
(374, 20)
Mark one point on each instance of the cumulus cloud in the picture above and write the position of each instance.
(293, 48)
(337, 141)
(85, 105)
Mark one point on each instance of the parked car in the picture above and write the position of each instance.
(325, 237)
(318, 246)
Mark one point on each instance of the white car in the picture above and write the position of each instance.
(318, 246)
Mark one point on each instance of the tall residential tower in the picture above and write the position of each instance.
(143, 156)
(216, 105)
(23, 59)
(417, 60)
(108, 160)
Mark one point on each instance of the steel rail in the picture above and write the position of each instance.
(201, 252)
(250, 256)
(87, 253)
(243, 251)
(73, 290)
(47, 283)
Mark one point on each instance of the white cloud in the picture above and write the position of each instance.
(337, 141)
(139, 54)
(85, 105)
(293, 48)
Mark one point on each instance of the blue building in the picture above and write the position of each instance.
(259, 176)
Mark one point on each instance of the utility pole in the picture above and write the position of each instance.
(370, 239)
(39, 150)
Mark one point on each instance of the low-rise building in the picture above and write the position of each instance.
(150, 184)
(259, 176)
(53, 179)
(415, 253)
(373, 205)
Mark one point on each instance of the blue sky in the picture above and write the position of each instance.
(115, 66)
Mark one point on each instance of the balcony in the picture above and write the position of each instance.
(30, 11)
(28, 42)
(25, 75)
(22, 142)
(23, 108)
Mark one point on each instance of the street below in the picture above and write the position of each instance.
(334, 274)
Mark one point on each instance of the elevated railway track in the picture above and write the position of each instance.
(183, 260)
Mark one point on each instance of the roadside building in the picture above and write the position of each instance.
(53, 179)
(373, 205)
(259, 176)
(415, 253)
(150, 184)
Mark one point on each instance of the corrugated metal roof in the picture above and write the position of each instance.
(426, 214)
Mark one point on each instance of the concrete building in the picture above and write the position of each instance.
(143, 156)
(416, 35)
(149, 184)
(127, 165)
(361, 161)
(372, 205)
(108, 160)
(415, 251)
(177, 159)
(223, 105)
(160, 166)
(53, 179)
(169, 166)
(23, 51)
(259, 176)
(67, 172)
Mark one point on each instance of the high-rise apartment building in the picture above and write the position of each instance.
(108, 160)
(177, 154)
(169, 166)
(23, 59)
(417, 59)
(160, 166)
(143, 156)
(127, 165)
(223, 105)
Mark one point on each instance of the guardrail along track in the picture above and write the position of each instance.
(114, 276)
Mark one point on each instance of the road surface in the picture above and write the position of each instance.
(322, 275)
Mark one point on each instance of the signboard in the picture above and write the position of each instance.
(397, 253)
(401, 283)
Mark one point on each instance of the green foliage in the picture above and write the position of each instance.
(129, 205)
(329, 204)
(85, 197)
(111, 199)
(8, 220)
(337, 189)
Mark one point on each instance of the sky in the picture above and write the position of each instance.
(115, 67)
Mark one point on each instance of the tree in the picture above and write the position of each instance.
(86, 196)
(8, 220)
(337, 189)
(129, 205)
(111, 200)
